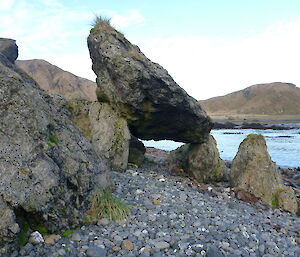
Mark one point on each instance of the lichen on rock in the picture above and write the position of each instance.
(253, 170)
(153, 104)
(202, 161)
(105, 128)
(46, 165)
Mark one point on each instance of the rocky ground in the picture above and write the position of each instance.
(174, 216)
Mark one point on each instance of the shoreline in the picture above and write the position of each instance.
(256, 124)
(290, 175)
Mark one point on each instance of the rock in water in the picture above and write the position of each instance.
(48, 169)
(253, 170)
(151, 101)
(202, 161)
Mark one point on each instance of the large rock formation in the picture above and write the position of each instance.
(253, 170)
(57, 81)
(151, 101)
(48, 169)
(202, 161)
(105, 128)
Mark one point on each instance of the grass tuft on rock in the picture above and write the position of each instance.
(106, 205)
(101, 22)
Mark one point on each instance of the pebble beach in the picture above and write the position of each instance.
(174, 216)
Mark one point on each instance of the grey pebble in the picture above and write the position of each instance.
(95, 251)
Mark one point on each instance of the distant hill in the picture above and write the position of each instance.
(273, 100)
(57, 81)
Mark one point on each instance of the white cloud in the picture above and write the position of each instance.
(203, 66)
(46, 29)
(6, 4)
(132, 17)
(79, 64)
(211, 66)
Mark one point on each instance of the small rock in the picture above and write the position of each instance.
(14, 228)
(139, 191)
(127, 245)
(76, 237)
(156, 202)
(197, 224)
(103, 221)
(182, 197)
(95, 251)
(51, 239)
(197, 248)
(213, 251)
(173, 216)
(36, 238)
(116, 248)
(61, 252)
(162, 245)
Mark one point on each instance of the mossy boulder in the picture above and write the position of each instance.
(154, 105)
(105, 128)
(254, 171)
(46, 164)
(202, 161)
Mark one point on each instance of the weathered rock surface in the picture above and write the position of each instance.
(137, 151)
(151, 101)
(202, 161)
(8, 225)
(54, 80)
(105, 128)
(253, 170)
(48, 169)
(9, 49)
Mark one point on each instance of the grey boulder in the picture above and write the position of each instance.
(105, 128)
(154, 105)
(48, 170)
(254, 171)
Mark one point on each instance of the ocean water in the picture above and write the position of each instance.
(283, 145)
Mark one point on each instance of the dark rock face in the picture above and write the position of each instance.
(151, 101)
(9, 49)
(137, 151)
(48, 169)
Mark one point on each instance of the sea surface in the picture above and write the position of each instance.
(283, 145)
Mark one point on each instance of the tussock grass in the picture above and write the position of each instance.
(101, 22)
(107, 206)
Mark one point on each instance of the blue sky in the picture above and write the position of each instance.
(210, 47)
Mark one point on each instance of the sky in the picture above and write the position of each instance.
(209, 47)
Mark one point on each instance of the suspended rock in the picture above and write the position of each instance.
(151, 101)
